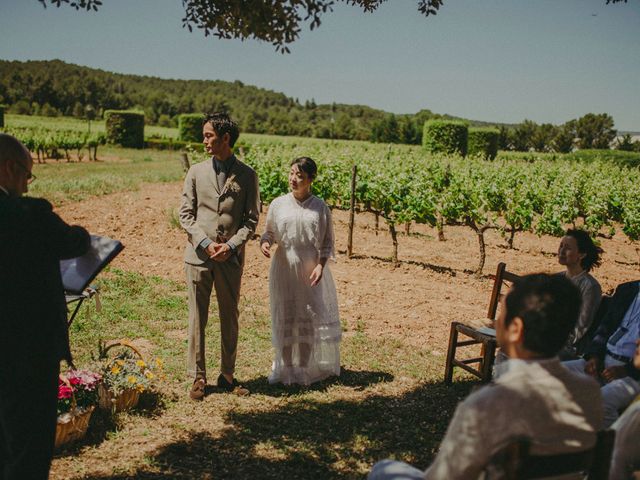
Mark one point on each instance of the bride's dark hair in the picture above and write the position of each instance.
(307, 165)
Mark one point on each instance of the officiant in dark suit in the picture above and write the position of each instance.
(33, 316)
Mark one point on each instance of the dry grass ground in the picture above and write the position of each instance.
(389, 400)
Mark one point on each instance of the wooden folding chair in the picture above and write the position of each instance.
(485, 337)
(517, 463)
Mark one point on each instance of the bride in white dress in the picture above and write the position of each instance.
(306, 328)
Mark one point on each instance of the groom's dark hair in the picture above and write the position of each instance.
(222, 123)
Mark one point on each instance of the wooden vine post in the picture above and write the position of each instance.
(184, 161)
(394, 238)
(352, 210)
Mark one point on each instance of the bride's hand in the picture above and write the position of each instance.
(265, 248)
(316, 275)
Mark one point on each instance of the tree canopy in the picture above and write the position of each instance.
(278, 22)
(54, 88)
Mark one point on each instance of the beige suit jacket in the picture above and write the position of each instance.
(227, 215)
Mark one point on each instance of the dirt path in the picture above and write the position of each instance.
(414, 302)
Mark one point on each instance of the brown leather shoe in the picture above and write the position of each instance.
(197, 389)
(232, 387)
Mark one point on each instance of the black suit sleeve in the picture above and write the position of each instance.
(62, 240)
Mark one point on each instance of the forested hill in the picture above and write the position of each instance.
(55, 87)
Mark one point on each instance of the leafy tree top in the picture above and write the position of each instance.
(278, 22)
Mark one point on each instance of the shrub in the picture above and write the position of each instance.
(165, 121)
(21, 107)
(48, 111)
(483, 141)
(190, 127)
(445, 136)
(125, 128)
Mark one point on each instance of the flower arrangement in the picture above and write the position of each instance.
(129, 372)
(125, 376)
(77, 397)
(81, 384)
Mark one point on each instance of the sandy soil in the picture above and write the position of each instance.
(415, 301)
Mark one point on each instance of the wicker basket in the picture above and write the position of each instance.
(126, 399)
(117, 403)
(72, 425)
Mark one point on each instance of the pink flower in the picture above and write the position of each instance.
(64, 392)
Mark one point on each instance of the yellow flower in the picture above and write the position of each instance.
(115, 370)
(148, 374)
(140, 388)
(158, 362)
(141, 363)
(120, 362)
(131, 379)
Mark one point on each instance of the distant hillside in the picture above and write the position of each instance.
(55, 87)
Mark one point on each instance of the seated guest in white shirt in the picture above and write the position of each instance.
(536, 397)
(626, 451)
(609, 358)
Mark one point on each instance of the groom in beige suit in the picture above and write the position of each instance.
(219, 211)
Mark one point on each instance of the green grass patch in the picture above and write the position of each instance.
(120, 170)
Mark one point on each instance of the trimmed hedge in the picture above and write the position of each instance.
(445, 136)
(190, 127)
(483, 141)
(125, 128)
(2, 116)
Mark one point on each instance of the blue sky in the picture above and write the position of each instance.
(494, 60)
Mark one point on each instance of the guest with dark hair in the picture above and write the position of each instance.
(580, 255)
(306, 328)
(535, 397)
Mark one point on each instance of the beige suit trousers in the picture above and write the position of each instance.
(226, 278)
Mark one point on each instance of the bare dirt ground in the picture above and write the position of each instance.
(414, 302)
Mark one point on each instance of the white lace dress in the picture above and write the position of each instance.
(305, 323)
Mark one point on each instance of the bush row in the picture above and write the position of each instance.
(190, 127)
(455, 137)
(125, 128)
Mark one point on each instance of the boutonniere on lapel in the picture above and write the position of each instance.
(230, 185)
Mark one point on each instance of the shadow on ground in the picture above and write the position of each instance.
(430, 266)
(356, 379)
(312, 439)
